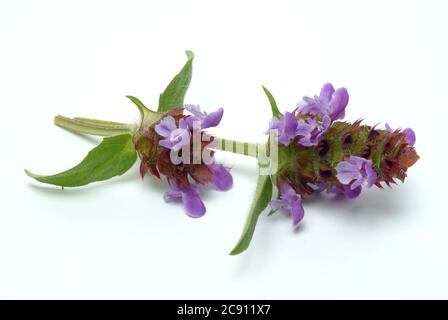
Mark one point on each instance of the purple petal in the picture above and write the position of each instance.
(338, 103)
(319, 188)
(352, 193)
(297, 212)
(222, 179)
(303, 128)
(179, 138)
(312, 107)
(309, 100)
(357, 183)
(410, 136)
(326, 123)
(193, 204)
(290, 124)
(388, 128)
(284, 188)
(277, 204)
(275, 123)
(347, 172)
(183, 124)
(326, 92)
(371, 174)
(284, 140)
(212, 119)
(194, 109)
(165, 127)
(358, 170)
(166, 143)
(172, 195)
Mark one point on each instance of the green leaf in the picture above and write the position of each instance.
(174, 94)
(147, 116)
(112, 157)
(263, 195)
(275, 112)
(141, 107)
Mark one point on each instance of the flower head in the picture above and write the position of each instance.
(289, 200)
(172, 133)
(355, 172)
(330, 102)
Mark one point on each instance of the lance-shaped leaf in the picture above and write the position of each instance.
(147, 116)
(263, 195)
(112, 157)
(275, 112)
(174, 94)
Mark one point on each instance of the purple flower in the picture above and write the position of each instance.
(289, 200)
(206, 120)
(312, 130)
(222, 179)
(355, 172)
(285, 126)
(190, 196)
(348, 192)
(175, 138)
(330, 102)
(409, 134)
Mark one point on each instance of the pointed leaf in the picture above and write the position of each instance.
(275, 112)
(112, 157)
(174, 94)
(147, 116)
(263, 195)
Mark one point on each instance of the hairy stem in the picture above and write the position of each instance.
(93, 127)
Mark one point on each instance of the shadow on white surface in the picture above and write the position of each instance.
(374, 209)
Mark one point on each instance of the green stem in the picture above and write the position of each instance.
(93, 127)
(100, 122)
(238, 147)
(109, 128)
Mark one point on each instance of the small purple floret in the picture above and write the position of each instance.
(409, 134)
(222, 179)
(205, 120)
(190, 196)
(355, 172)
(330, 102)
(311, 131)
(175, 138)
(289, 200)
(317, 115)
(285, 126)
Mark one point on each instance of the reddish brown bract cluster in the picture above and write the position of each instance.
(156, 159)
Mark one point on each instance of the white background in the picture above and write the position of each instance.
(118, 239)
